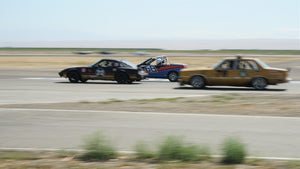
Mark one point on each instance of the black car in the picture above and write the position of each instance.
(105, 69)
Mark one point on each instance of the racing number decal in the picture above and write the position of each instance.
(100, 72)
(150, 68)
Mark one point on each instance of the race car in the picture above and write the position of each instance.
(235, 72)
(160, 67)
(105, 69)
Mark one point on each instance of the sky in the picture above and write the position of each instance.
(98, 20)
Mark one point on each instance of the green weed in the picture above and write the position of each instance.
(98, 147)
(234, 151)
(174, 148)
(19, 156)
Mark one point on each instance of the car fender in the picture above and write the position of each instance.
(73, 70)
(267, 79)
(193, 75)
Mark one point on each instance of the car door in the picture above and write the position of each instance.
(151, 69)
(103, 70)
(226, 73)
(247, 69)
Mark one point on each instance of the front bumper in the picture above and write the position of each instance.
(62, 74)
(181, 82)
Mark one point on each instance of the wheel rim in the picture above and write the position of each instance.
(173, 76)
(259, 83)
(197, 82)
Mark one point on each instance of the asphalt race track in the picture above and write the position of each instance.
(51, 90)
(65, 129)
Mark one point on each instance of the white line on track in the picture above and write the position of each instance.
(150, 113)
(133, 152)
(44, 78)
(145, 80)
(40, 78)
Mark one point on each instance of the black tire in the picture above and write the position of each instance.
(198, 82)
(83, 80)
(259, 83)
(173, 76)
(73, 77)
(122, 78)
(130, 81)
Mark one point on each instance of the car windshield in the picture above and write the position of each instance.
(262, 63)
(148, 61)
(217, 64)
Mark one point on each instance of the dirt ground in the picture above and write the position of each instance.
(60, 62)
(67, 160)
(233, 104)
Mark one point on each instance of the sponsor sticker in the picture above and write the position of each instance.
(100, 72)
(243, 74)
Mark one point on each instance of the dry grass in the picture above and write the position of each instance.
(238, 104)
(51, 160)
(64, 62)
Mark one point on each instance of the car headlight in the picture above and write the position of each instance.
(142, 73)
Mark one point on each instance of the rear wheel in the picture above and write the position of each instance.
(198, 82)
(122, 78)
(73, 77)
(259, 83)
(173, 76)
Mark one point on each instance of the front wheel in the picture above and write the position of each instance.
(259, 83)
(173, 76)
(198, 82)
(73, 77)
(83, 80)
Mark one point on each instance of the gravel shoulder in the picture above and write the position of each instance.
(225, 104)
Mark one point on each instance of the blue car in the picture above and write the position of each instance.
(160, 67)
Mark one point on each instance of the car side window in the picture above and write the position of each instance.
(123, 64)
(116, 64)
(253, 65)
(247, 65)
(106, 63)
(227, 65)
(102, 63)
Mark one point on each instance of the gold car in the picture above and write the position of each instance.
(234, 72)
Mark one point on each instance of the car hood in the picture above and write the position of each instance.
(177, 64)
(75, 68)
(277, 69)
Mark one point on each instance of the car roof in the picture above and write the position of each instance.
(112, 59)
